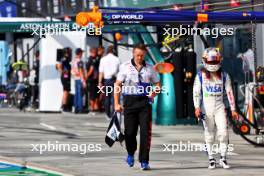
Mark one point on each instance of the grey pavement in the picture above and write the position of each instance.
(19, 130)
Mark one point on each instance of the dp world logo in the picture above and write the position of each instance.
(108, 17)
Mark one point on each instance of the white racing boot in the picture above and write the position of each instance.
(223, 163)
(212, 164)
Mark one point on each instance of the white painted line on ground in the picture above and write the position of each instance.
(232, 153)
(54, 128)
(48, 126)
(100, 125)
(88, 124)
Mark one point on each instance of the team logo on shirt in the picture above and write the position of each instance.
(213, 88)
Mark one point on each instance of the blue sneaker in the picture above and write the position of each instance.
(145, 166)
(130, 160)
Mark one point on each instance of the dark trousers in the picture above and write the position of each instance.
(134, 118)
(34, 95)
(109, 97)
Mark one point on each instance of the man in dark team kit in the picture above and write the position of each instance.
(136, 75)
(64, 67)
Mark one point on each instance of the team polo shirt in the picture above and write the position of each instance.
(136, 82)
(109, 66)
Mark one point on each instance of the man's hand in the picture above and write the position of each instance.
(152, 96)
(100, 79)
(118, 108)
(84, 84)
(157, 89)
(198, 113)
(100, 84)
(234, 115)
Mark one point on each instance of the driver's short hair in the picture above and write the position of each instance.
(140, 46)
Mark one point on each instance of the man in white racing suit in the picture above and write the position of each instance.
(208, 90)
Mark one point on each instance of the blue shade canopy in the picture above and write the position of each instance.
(182, 17)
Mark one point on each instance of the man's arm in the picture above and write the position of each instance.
(230, 96)
(117, 91)
(157, 89)
(197, 96)
(229, 92)
(156, 83)
(101, 74)
(59, 67)
(89, 72)
(82, 74)
(121, 76)
(100, 80)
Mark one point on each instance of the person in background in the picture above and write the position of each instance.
(33, 82)
(21, 75)
(77, 71)
(100, 54)
(64, 67)
(248, 64)
(108, 69)
(92, 67)
(12, 78)
(35, 91)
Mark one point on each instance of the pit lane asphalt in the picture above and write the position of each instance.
(19, 130)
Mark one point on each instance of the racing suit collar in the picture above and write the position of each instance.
(134, 64)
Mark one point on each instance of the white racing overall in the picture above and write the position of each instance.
(208, 94)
